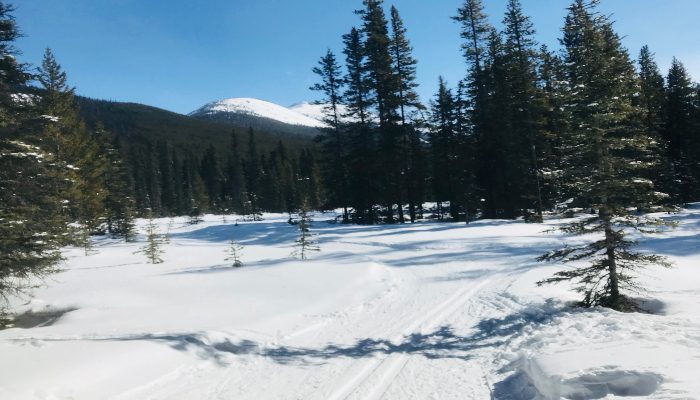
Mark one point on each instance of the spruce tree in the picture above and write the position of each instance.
(213, 178)
(475, 32)
(69, 139)
(524, 141)
(154, 241)
(334, 139)
(679, 131)
(305, 243)
(553, 84)
(408, 143)
(234, 253)
(253, 175)
(235, 184)
(119, 201)
(443, 149)
(362, 141)
(385, 87)
(652, 100)
(31, 229)
(610, 152)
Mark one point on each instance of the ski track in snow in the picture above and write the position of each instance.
(424, 311)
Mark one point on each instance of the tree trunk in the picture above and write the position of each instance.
(615, 297)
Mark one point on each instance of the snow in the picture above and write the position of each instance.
(316, 111)
(311, 110)
(259, 108)
(422, 311)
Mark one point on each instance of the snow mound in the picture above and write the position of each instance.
(533, 382)
(259, 108)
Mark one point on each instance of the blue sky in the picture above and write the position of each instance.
(179, 54)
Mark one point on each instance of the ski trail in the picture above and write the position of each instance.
(380, 372)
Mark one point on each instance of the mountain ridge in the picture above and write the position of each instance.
(260, 114)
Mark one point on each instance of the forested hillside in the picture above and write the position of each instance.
(180, 165)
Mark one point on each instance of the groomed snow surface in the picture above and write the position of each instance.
(423, 311)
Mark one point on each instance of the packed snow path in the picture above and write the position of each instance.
(423, 311)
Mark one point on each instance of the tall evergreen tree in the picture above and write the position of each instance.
(334, 140)
(384, 84)
(475, 33)
(443, 147)
(611, 150)
(362, 141)
(553, 84)
(652, 100)
(409, 149)
(253, 175)
(678, 131)
(30, 231)
(235, 183)
(213, 178)
(68, 137)
(525, 142)
(119, 201)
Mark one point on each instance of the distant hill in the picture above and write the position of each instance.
(137, 122)
(260, 114)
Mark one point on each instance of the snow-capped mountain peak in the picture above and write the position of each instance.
(259, 108)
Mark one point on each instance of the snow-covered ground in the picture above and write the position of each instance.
(260, 108)
(423, 311)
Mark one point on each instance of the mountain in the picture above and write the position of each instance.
(137, 123)
(310, 110)
(316, 111)
(260, 114)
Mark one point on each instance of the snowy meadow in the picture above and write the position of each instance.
(423, 311)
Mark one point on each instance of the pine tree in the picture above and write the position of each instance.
(333, 140)
(525, 141)
(235, 184)
(252, 175)
(154, 241)
(68, 138)
(492, 127)
(553, 84)
(362, 141)
(611, 151)
(213, 178)
(31, 230)
(166, 169)
(119, 202)
(408, 144)
(234, 253)
(443, 149)
(652, 100)
(476, 33)
(678, 131)
(305, 243)
(380, 66)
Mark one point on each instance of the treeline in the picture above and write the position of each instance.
(506, 141)
(169, 181)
